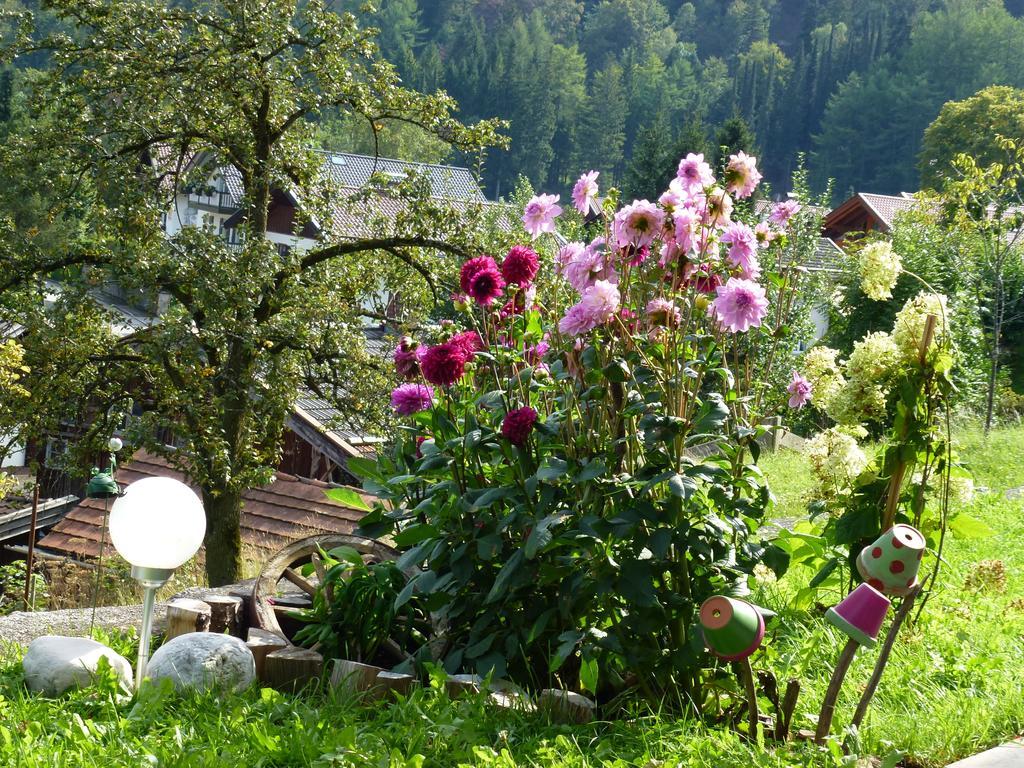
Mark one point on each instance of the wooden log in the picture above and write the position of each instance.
(262, 644)
(291, 669)
(186, 615)
(567, 706)
(354, 679)
(225, 614)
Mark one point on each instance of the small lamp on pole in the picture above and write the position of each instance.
(156, 525)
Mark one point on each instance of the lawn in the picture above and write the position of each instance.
(953, 686)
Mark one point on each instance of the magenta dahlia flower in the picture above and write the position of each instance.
(799, 391)
(444, 364)
(540, 214)
(702, 278)
(739, 304)
(486, 285)
(520, 265)
(742, 242)
(467, 342)
(694, 173)
(741, 174)
(471, 267)
(518, 424)
(584, 193)
(407, 358)
(408, 399)
(637, 224)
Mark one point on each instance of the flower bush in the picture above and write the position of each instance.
(586, 476)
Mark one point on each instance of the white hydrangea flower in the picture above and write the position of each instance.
(908, 330)
(821, 367)
(836, 460)
(874, 358)
(880, 268)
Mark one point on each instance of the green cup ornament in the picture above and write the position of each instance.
(891, 563)
(733, 629)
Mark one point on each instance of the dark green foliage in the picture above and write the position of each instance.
(360, 607)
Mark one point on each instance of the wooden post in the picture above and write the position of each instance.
(262, 644)
(883, 656)
(566, 706)
(828, 705)
(292, 669)
(186, 615)
(395, 684)
(29, 597)
(789, 700)
(746, 675)
(225, 614)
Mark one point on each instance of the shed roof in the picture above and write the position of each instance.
(288, 508)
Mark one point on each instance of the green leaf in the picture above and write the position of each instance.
(362, 467)
(595, 468)
(541, 535)
(492, 495)
(825, 572)
(347, 497)
(589, 674)
(552, 469)
(504, 576)
(681, 486)
(414, 534)
(616, 371)
(712, 414)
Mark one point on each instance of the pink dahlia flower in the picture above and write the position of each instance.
(783, 212)
(663, 312)
(587, 267)
(694, 173)
(408, 399)
(520, 265)
(407, 358)
(638, 224)
(540, 214)
(584, 193)
(444, 364)
(765, 234)
(570, 251)
(600, 301)
(687, 223)
(740, 304)
(742, 242)
(799, 391)
(741, 174)
(717, 208)
(518, 424)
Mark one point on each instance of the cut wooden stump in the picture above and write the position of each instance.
(355, 679)
(567, 706)
(226, 615)
(395, 684)
(185, 615)
(463, 685)
(292, 668)
(262, 644)
(513, 700)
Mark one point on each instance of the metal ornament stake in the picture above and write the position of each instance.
(29, 582)
(103, 486)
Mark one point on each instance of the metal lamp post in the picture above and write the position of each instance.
(156, 525)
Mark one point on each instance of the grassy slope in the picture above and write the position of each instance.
(953, 686)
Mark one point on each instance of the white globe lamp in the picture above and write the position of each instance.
(156, 525)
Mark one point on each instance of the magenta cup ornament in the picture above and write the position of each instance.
(733, 629)
(860, 615)
(890, 565)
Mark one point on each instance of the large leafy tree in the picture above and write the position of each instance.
(971, 127)
(143, 98)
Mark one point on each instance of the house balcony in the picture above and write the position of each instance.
(219, 200)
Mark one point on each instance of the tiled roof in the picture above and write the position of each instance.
(448, 182)
(887, 206)
(287, 509)
(827, 257)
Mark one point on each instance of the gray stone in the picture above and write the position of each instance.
(1006, 756)
(204, 660)
(53, 663)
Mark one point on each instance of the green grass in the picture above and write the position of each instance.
(953, 687)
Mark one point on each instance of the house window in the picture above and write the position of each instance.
(283, 250)
(56, 450)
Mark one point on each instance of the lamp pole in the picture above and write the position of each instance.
(151, 580)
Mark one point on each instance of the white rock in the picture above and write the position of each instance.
(52, 663)
(204, 660)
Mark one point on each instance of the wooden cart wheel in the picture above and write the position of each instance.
(286, 564)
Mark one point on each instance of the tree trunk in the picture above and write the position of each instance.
(223, 536)
(993, 371)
